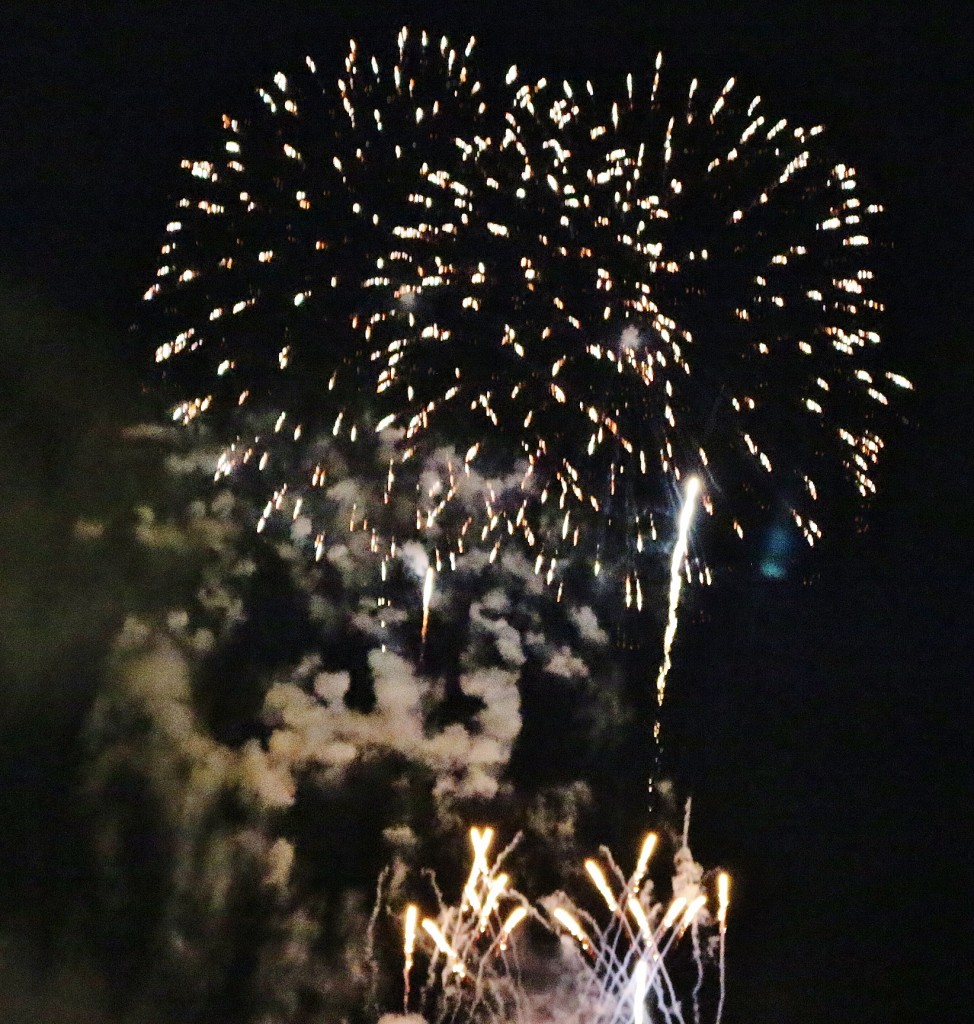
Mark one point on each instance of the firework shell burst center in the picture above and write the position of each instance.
(479, 313)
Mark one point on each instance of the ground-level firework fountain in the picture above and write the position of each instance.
(613, 969)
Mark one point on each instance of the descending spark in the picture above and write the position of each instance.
(572, 927)
(513, 919)
(723, 896)
(409, 945)
(676, 584)
(723, 891)
(427, 596)
(598, 879)
(640, 983)
(431, 929)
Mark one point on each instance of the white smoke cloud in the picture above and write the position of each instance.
(588, 626)
(564, 663)
(500, 633)
(414, 555)
(317, 731)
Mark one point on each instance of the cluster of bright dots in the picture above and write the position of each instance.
(542, 309)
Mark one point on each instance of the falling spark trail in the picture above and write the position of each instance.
(676, 584)
(409, 945)
(640, 982)
(723, 897)
(427, 596)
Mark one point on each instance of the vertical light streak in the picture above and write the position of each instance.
(673, 913)
(696, 905)
(676, 584)
(409, 945)
(480, 840)
(645, 852)
(639, 916)
(640, 982)
(490, 902)
(723, 898)
(723, 901)
(427, 595)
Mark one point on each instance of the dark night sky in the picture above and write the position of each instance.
(831, 750)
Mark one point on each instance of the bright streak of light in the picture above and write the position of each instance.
(571, 926)
(595, 873)
(480, 840)
(645, 852)
(676, 582)
(723, 896)
(493, 894)
(694, 908)
(640, 982)
(639, 916)
(427, 596)
(514, 918)
(439, 939)
(675, 909)
(409, 945)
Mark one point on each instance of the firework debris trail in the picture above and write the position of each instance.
(621, 967)
(542, 306)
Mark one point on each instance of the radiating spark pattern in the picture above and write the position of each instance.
(543, 306)
(622, 967)
(625, 959)
(472, 967)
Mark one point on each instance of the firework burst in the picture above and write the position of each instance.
(531, 309)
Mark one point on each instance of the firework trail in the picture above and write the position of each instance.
(539, 306)
(676, 584)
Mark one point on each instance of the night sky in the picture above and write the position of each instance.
(823, 724)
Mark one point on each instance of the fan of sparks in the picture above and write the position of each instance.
(529, 309)
(612, 971)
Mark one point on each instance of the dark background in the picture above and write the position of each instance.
(825, 726)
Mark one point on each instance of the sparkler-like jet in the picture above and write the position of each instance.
(620, 966)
